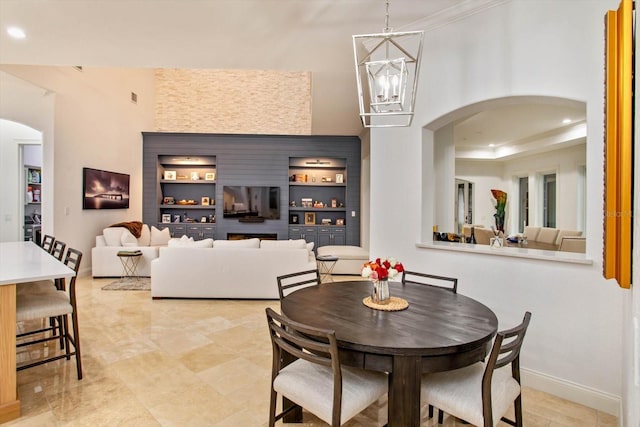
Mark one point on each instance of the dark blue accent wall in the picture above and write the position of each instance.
(252, 160)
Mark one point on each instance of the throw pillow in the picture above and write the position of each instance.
(294, 244)
(159, 237)
(145, 236)
(181, 242)
(244, 243)
(128, 239)
(113, 235)
(310, 247)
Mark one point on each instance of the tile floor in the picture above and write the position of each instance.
(191, 363)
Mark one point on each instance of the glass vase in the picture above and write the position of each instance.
(380, 292)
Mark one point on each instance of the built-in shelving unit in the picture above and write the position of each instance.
(32, 200)
(186, 202)
(317, 195)
(331, 165)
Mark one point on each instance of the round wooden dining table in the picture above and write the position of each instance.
(439, 331)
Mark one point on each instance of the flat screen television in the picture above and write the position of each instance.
(245, 201)
(104, 189)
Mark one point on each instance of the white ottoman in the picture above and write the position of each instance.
(350, 258)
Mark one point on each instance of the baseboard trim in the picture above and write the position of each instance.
(602, 401)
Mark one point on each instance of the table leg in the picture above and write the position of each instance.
(404, 391)
(9, 403)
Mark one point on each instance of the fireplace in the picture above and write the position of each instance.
(261, 236)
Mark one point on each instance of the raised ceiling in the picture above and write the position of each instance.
(293, 35)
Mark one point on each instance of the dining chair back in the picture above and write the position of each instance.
(58, 249)
(316, 380)
(56, 305)
(450, 283)
(456, 392)
(294, 281)
(47, 243)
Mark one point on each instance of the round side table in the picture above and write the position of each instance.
(129, 260)
(326, 264)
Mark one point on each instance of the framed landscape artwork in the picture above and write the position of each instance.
(104, 190)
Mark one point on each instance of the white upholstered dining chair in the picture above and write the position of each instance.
(316, 381)
(56, 306)
(481, 394)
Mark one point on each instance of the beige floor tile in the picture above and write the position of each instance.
(197, 363)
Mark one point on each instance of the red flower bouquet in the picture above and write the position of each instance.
(382, 269)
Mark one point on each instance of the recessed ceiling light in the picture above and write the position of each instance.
(566, 121)
(16, 33)
(492, 145)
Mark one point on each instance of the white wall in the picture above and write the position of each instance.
(97, 126)
(544, 47)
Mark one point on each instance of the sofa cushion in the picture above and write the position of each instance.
(128, 239)
(159, 237)
(547, 235)
(145, 236)
(567, 233)
(113, 235)
(293, 244)
(243, 243)
(185, 241)
(531, 232)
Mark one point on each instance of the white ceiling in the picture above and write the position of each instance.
(293, 35)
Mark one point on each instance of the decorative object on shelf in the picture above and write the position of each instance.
(387, 68)
(318, 204)
(325, 221)
(166, 218)
(326, 179)
(340, 221)
(334, 202)
(339, 178)
(300, 177)
(380, 271)
(176, 218)
(102, 190)
(501, 203)
(35, 177)
(204, 201)
(203, 219)
(186, 202)
(195, 176)
(293, 218)
(170, 175)
(307, 202)
(292, 203)
(212, 218)
(29, 195)
(168, 200)
(310, 218)
(210, 176)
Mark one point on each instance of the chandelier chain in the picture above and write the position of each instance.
(386, 19)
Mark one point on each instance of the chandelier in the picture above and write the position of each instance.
(387, 66)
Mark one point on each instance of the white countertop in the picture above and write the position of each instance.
(555, 256)
(26, 261)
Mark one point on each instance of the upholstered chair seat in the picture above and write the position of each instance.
(309, 384)
(458, 392)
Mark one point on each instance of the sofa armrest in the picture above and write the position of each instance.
(100, 242)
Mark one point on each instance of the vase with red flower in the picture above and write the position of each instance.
(380, 271)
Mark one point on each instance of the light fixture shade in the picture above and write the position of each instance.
(387, 67)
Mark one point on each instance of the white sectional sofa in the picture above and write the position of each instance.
(239, 269)
(104, 258)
